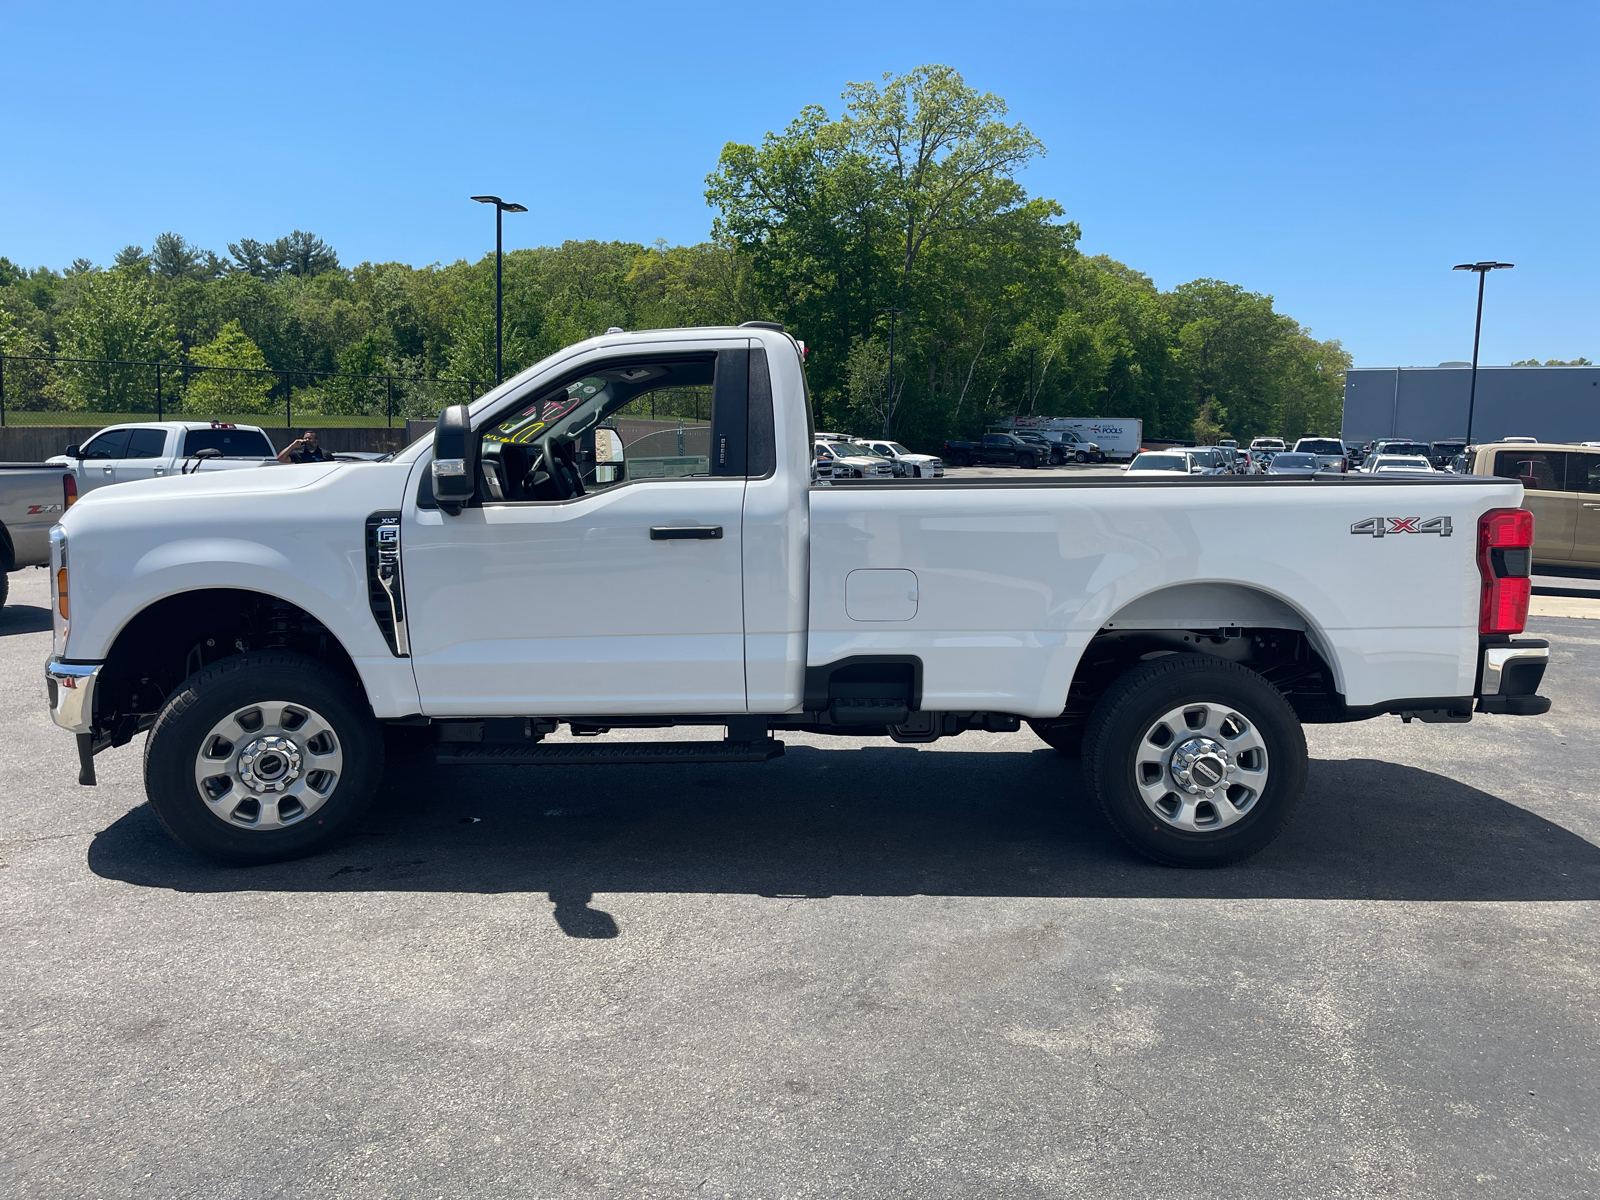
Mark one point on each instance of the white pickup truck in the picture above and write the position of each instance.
(518, 570)
(155, 449)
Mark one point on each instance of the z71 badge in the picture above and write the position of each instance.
(1380, 526)
(35, 510)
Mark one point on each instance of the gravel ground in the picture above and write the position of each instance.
(862, 970)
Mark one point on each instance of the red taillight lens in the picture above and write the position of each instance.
(69, 492)
(1505, 560)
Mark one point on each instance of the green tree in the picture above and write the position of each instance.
(115, 316)
(234, 387)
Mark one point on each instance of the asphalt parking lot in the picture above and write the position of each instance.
(862, 970)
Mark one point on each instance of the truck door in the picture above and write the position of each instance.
(1583, 478)
(1545, 493)
(623, 598)
(145, 456)
(101, 454)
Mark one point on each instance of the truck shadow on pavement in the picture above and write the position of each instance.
(887, 821)
(23, 618)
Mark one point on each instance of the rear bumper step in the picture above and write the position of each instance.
(489, 754)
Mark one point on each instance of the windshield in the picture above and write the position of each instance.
(1159, 462)
(1294, 460)
(1404, 448)
(898, 448)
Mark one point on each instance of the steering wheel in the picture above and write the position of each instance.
(555, 468)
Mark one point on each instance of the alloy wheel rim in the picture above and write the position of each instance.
(1201, 767)
(268, 765)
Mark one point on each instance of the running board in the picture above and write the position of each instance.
(510, 754)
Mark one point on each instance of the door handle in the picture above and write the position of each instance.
(1587, 504)
(684, 533)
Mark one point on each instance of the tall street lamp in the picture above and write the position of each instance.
(1483, 269)
(888, 410)
(501, 207)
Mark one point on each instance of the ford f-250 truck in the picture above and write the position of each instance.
(519, 570)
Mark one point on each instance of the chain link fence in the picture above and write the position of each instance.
(49, 390)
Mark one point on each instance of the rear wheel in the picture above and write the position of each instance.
(1196, 761)
(961, 460)
(262, 757)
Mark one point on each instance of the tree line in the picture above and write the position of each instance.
(901, 213)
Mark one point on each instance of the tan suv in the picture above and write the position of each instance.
(1561, 488)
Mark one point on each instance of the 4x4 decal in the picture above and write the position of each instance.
(1380, 526)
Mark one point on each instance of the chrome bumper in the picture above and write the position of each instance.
(71, 690)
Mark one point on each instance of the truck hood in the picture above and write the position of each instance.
(263, 480)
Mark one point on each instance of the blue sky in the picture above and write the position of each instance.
(1340, 157)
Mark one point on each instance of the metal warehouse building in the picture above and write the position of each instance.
(1553, 404)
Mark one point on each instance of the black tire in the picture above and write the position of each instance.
(1064, 736)
(961, 460)
(1082, 456)
(5, 588)
(209, 696)
(1115, 737)
(1026, 462)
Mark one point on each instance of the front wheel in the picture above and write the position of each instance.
(1196, 761)
(262, 757)
(1081, 457)
(1025, 461)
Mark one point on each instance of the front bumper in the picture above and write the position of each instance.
(1509, 675)
(71, 688)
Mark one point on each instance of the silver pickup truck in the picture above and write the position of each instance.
(32, 498)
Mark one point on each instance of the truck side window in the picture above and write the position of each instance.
(111, 444)
(630, 421)
(147, 443)
(1583, 473)
(1538, 470)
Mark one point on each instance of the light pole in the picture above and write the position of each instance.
(1483, 269)
(500, 207)
(888, 410)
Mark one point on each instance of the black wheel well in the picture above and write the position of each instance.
(181, 634)
(1284, 657)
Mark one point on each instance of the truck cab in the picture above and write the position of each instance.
(154, 450)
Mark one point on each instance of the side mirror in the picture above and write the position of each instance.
(455, 459)
(74, 451)
(609, 466)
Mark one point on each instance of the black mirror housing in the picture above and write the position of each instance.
(74, 451)
(455, 459)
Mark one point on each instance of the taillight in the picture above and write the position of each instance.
(1505, 560)
(69, 491)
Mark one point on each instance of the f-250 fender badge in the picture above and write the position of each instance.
(1380, 526)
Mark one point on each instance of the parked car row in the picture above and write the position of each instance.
(841, 457)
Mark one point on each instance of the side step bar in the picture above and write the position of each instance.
(512, 754)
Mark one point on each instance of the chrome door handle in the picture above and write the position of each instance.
(1587, 504)
(107, 470)
(684, 533)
